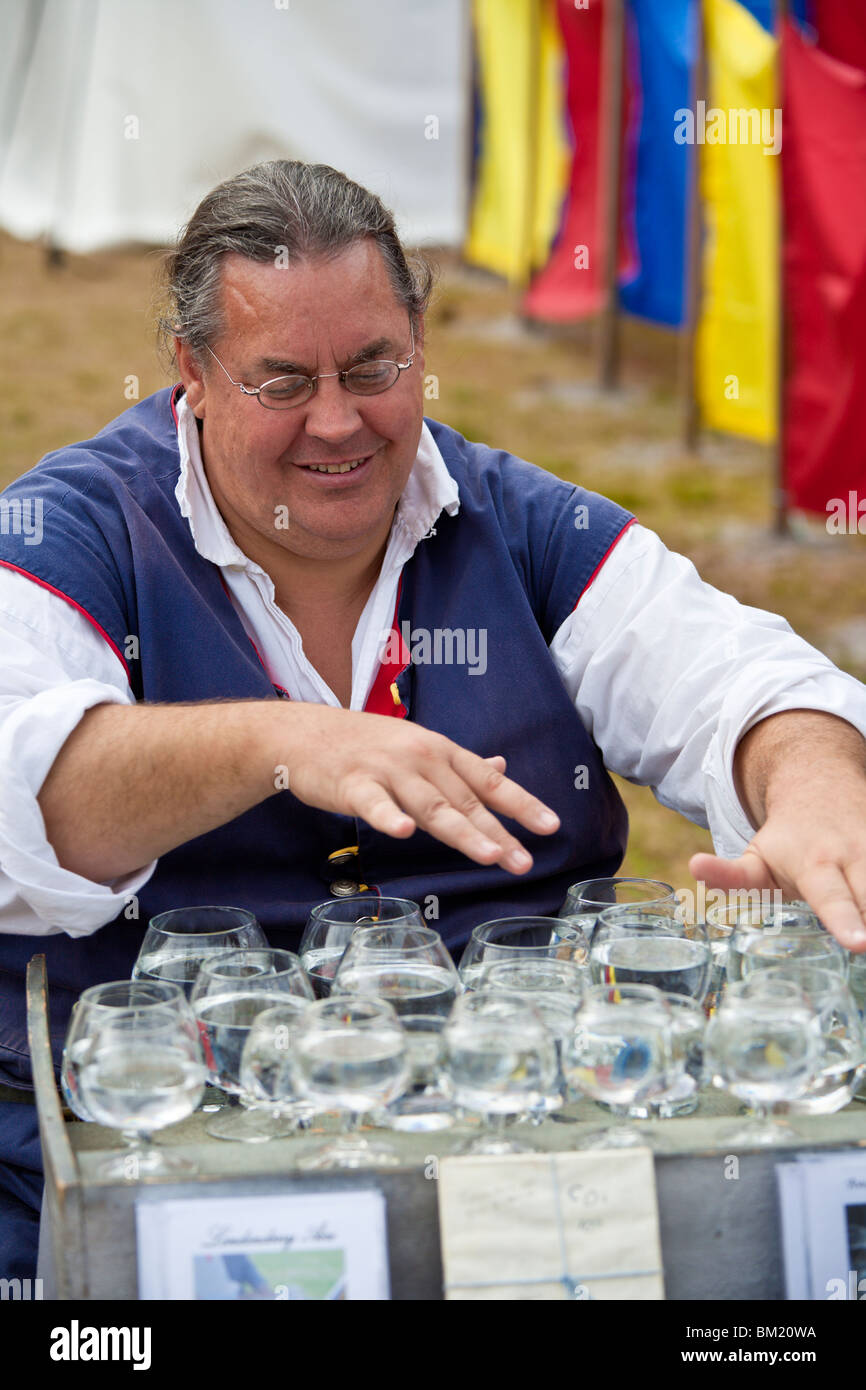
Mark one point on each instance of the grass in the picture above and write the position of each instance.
(75, 340)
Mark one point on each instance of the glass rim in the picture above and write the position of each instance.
(370, 1005)
(319, 914)
(156, 921)
(221, 958)
(644, 993)
(433, 938)
(173, 991)
(565, 931)
(634, 912)
(670, 891)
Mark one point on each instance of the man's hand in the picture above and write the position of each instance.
(801, 777)
(399, 777)
(133, 782)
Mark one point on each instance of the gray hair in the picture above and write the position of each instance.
(282, 208)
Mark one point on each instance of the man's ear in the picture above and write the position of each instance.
(190, 374)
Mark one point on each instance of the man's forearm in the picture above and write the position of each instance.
(783, 753)
(131, 783)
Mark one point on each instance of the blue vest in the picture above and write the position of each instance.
(510, 565)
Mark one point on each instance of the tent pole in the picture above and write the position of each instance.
(781, 526)
(694, 244)
(612, 58)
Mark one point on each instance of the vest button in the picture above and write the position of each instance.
(344, 888)
(345, 860)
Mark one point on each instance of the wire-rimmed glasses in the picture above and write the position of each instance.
(363, 379)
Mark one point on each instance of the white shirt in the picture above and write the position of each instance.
(666, 673)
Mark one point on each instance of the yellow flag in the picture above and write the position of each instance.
(740, 130)
(524, 158)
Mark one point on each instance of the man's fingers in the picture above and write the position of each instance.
(502, 795)
(512, 855)
(827, 890)
(370, 801)
(749, 871)
(434, 810)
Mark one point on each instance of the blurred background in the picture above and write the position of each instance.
(649, 218)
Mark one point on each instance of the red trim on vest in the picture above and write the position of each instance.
(83, 611)
(606, 556)
(279, 688)
(381, 699)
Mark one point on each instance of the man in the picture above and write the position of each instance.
(286, 524)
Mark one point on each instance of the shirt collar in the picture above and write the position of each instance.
(429, 490)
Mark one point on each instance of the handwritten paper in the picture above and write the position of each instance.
(293, 1246)
(551, 1227)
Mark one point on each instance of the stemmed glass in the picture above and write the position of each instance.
(232, 989)
(428, 1103)
(351, 1054)
(554, 988)
(143, 1070)
(641, 946)
(330, 927)
(501, 1061)
(267, 1073)
(762, 1045)
(176, 942)
(408, 966)
(620, 1054)
(97, 1005)
(841, 1043)
(584, 901)
(521, 938)
(779, 942)
(688, 1026)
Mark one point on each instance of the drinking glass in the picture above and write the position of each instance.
(620, 1054)
(176, 942)
(501, 1061)
(408, 966)
(428, 1104)
(231, 990)
(143, 1070)
(762, 1045)
(841, 1061)
(769, 937)
(267, 1077)
(98, 1004)
(330, 927)
(688, 1026)
(521, 938)
(639, 946)
(554, 988)
(351, 1054)
(584, 901)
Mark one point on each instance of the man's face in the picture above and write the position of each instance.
(317, 316)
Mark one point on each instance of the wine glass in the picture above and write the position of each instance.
(620, 1054)
(762, 1045)
(408, 966)
(841, 1047)
(231, 990)
(99, 1003)
(554, 988)
(428, 1104)
(521, 938)
(501, 1061)
(584, 901)
(782, 939)
(176, 942)
(330, 927)
(641, 946)
(351, 1054)
(267, 1077)
(688, 1026)
(143, 1070)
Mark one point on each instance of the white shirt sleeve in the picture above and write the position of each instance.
(55, 667)
(669, 673)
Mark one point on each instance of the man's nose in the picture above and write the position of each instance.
(332, 412)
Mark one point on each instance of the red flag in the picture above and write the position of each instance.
(571, 284)
(841, 26)
(824, 258)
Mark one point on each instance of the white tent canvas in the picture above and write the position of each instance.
(116, 116)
